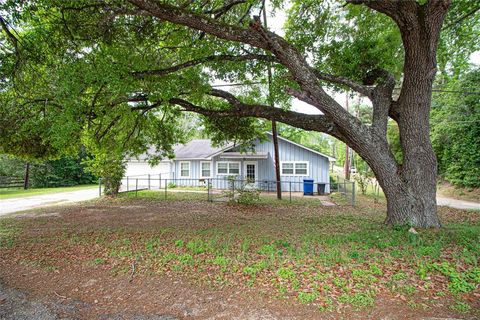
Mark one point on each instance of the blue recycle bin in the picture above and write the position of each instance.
(308, 187)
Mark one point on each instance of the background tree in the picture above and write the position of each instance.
(455, 125)
(66, 171)
(73, 63)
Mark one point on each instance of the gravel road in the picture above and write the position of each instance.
(16, 305)
(11, 205)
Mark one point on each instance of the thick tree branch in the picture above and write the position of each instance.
(382, 102)
(13, 40)
(224, 9)
(196, 21)
(355, 86)
(240, 109)
(398, 10)
(11, 37)
(300, 95)
(195, 62)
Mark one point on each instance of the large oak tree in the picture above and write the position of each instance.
(82, 66)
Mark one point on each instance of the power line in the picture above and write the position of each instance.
(443, 122)
(455, 91)
(434, 90)
(449, 91)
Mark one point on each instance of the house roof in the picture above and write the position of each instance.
(306, 148)
(197, 149)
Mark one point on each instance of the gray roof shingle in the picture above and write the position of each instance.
(196, 149)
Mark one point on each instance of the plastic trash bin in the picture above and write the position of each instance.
(308, 187)
(321, 188)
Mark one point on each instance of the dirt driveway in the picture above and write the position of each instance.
(25, 203)
(458, 204)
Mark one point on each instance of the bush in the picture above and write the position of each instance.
(248, 196)
(363, 179)
(244, 193)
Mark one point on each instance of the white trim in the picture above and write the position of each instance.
(245, 163)
(228, 147)
(228, 168)
(145, 161)
(201, 169)
(306, 148)
(180, 169)
(191, 159)
(294, 169)
(245, 156)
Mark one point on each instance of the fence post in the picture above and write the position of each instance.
(159, 181)
(127, 184)
(136, 187)
(208, 189)
(290, 191)
(166, 183)
(149, 181)
(99, 187)
(353, 193)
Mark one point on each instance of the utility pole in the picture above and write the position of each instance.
(347, 149)
(274, 123)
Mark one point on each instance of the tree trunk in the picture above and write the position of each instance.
(112, 186)
(409, 202)
(412, 204)
(410, 189)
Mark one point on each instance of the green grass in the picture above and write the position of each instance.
(326, 257)
(17, 193)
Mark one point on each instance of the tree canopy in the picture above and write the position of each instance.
(115, 75)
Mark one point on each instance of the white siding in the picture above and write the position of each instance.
(141, 170)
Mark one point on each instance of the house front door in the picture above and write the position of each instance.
(250, 170)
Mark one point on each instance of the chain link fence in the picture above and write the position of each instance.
(230, 188)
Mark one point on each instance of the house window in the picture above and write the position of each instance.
(287, 168)
(234, 168)
(206, 169)
(228, 168)
(184, 169)
(294, 168)
(222, 168)
(301, 168)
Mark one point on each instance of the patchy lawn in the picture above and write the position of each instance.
(6, 193)
(184, 257)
